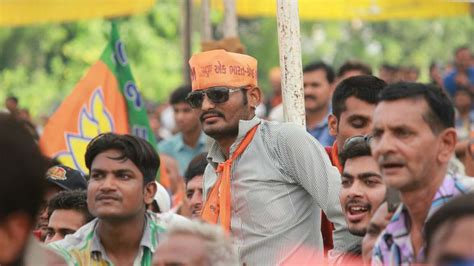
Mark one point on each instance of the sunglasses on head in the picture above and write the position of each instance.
(356, 140)
(214, 94)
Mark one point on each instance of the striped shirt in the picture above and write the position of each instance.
(84, 247)
(394, 247)
(279, 185)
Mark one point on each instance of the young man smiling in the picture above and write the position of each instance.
(363, 189)
(266, 183)
(122, 173)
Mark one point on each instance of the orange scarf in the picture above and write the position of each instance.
(217, 206)
(335, 157)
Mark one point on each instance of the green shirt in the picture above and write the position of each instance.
(84, 247)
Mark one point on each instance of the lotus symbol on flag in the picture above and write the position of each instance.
(92, 121)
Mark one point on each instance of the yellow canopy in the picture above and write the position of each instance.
(354, 9)
(23, 12)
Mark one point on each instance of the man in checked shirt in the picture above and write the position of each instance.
(413, 140)
(264, 179)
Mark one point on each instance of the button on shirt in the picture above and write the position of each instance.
(176, 148)
(279, 185)
(84, 247)
(394, 247)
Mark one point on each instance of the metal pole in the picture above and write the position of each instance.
(230, 19)
(290, 61)
(186, 38)
(206, 27)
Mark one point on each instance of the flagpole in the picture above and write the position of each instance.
(206, 29)
(230, 19)
(186, 38)
(290, 61)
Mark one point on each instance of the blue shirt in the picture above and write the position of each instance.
(450, 83)
(321, 133)
(176, 148)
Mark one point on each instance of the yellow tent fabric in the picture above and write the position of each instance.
(24, 12)
(371, 10)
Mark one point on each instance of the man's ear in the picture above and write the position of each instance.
(254, 96)
(332, 124)
(15, 231)
(149, 192)
(447, 145)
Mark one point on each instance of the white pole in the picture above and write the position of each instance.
(186, 32)
(230, 19)
(290, 61)
(206, 28)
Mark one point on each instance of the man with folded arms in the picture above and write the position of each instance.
(266, 182)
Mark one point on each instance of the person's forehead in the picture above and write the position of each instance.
(181, 106)
(402, 111)
(361, 164)
(195, 182)
(356, 106)
(315, 74)
(62, 218)
(112, 159)
(110, 155)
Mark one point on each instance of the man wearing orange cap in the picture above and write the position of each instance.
(263, 178)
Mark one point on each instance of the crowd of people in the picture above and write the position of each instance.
(381, 175)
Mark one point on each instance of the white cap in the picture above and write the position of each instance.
(162, 198)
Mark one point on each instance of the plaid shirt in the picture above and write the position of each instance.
(394, 246)
(84, 247)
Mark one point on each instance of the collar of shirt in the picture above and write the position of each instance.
(398, 230)
(180, 145)
(98, 251)
(215, 156)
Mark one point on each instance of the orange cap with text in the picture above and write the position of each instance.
(222, 68)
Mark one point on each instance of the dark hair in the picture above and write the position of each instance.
(136, 149)
(365, 88)
(12, 98)
(22, 168)
(196, 167)
(461, 48)
(179, 95)
(70, 200)
(463, 89)
(330, 76)
(389, 67)
(441, 110)
(354, 66)
(457, 208)
(356, 146)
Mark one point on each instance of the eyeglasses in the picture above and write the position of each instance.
(214, 94)
(356, 140)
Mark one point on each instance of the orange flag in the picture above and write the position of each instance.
(105, 100)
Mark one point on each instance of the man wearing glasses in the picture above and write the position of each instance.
(263, 178)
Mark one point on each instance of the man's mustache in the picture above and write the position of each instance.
(213, 112)
(310, 97)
